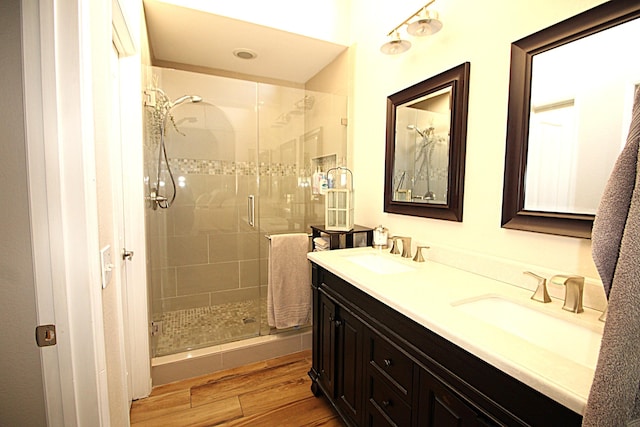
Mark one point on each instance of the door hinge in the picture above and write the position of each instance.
(156, 328)
(46, 335)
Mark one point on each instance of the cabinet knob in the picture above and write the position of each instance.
(387, 403)
(388, 362)
(338, 323)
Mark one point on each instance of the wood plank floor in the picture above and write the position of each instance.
(276, 392)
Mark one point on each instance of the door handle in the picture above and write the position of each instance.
(251, 207)
(127, 255)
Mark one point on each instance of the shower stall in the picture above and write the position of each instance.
(227, 162)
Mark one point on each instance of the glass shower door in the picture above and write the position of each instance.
(204, 252)
(301, 132)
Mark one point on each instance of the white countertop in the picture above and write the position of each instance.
(425, 294)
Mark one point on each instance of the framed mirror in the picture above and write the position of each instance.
(425, 147)
(570, 99)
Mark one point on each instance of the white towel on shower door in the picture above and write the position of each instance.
(289, 287)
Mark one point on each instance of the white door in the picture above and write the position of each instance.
(119, 223)
(128, 163)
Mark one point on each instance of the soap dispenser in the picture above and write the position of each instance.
(380, 237)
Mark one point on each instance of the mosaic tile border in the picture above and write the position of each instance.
(225, 167)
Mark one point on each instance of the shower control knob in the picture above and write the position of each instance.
(127, 255)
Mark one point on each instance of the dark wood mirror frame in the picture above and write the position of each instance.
(514, 216)
(458, 80)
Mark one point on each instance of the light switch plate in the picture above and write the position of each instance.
(106, 265)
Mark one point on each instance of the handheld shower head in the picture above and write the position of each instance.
(192, 98)
(414, 127)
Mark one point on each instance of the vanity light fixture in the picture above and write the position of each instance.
(427, 22)
(396, 45)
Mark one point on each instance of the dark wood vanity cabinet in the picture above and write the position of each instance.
(380, 368)
(338, 371)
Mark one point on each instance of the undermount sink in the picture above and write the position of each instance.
(569, 340)
(379, 263)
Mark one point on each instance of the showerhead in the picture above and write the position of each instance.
(192, 98)
(414, 127)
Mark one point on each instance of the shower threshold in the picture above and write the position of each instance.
(189, 364)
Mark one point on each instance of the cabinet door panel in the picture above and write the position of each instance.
(327, 338)
(440, 407)
(350, 362)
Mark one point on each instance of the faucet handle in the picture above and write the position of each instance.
(419, 257)
(406, 247)
(541, 294)
(603, 316)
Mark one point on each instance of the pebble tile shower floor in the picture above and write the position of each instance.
(211, 325)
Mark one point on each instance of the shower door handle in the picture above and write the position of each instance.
(251, 207)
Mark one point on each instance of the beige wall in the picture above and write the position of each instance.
(481, 33)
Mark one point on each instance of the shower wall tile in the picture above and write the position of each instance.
(157, 251)
(187, 250)
(184, 192)
(191, 189)
(164, 282)
(223, 247)
(264, 274)
(232, 296)
(248, 245)
(159, 223)
(216, 219)
(249, 273)
(247, 185)
(264, 245)
(185, 302)
(233, 246)
(207, 278)
(183, 218)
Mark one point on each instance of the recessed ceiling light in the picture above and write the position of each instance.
(245, 53)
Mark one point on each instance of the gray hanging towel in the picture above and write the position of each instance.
(289, 287)
(614, 399)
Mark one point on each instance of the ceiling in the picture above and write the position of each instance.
(187, 36)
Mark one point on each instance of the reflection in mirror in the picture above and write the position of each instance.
(576, 126)
(422, 149)
(426, 139)
(570, 100)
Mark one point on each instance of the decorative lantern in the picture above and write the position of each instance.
(339, 200)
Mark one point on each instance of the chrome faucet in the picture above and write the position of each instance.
(573, 294)
(541, 294)
(406, 247)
